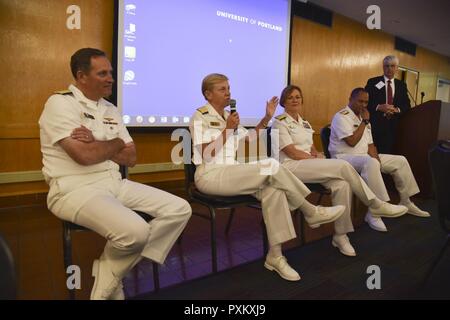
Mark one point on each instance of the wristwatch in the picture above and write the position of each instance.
(366, 121)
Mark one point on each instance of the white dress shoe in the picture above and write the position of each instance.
(281, 266)
(324, 215)
(375, 223)
(389, 210)
(342, 242)
(415, 211)
(106, 283)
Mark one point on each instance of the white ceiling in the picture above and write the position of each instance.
(423, 22)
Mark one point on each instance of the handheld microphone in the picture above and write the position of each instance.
(232, 106)
(233, 110)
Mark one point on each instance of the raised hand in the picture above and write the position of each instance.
(271, 106)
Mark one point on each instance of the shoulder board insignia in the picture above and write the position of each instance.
(344, 112)
(63, 92)
(281, 117)
(203, 110)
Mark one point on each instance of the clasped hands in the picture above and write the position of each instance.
(388, 109)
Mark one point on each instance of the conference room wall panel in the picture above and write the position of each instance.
(36, 47)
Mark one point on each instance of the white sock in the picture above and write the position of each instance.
(405, 201)
(338, 235)
(275, 251)
(307, 208)
(376, 203)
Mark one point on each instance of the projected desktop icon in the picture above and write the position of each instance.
(151, 119)
(126, 119)
(186, 119)
(163, 119)
(175, 119)
(128, 76)
(139, 119)
(130, 9)
(131, 29)
(130, 52)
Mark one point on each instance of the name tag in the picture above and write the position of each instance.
(214, 124)
(380, 85)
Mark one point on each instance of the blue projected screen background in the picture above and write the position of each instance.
(166, 48)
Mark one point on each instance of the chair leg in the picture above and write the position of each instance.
(180, 238)
(320, 199)
(265, 238)
(230, 219)
(155, 276)
(212, 212)
(301, 225)
(67, 252)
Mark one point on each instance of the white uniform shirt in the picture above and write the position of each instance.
(65, 112)
(344, 124)
(206, 126)
(297, 132)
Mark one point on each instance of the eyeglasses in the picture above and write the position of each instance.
(294, 97)
(390, 65)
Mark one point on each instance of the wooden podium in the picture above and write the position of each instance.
(417, 131)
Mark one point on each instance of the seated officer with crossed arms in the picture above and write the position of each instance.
(83, 142)
(351, 140)
(216, 135)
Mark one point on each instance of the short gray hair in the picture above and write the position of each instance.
(388, 59)
(210, 80)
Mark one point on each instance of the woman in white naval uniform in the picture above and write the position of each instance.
(299, 155)
(216, 134)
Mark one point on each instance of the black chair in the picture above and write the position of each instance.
(214, 202)
(8, 286)
(325, 133)
(439, 158)
(68, 227)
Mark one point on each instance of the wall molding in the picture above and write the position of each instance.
(36, 175)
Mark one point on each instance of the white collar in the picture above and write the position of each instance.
(386, 79)
(212, 111)
(291, 119)
(78, 94)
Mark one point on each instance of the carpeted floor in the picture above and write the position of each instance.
(404, 255)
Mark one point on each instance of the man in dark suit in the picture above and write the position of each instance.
(388, 100)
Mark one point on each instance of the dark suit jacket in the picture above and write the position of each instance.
(383, 129)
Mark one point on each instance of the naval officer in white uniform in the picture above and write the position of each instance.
(298, 154)
(216, 134)
(83, 142)
(351, 140)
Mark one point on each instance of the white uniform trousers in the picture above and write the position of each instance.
(109, 212)
(371, 169)
(340, 177)
(279, 193)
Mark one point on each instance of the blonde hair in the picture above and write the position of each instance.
(210, 80)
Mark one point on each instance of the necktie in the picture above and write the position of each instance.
(390, 99)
